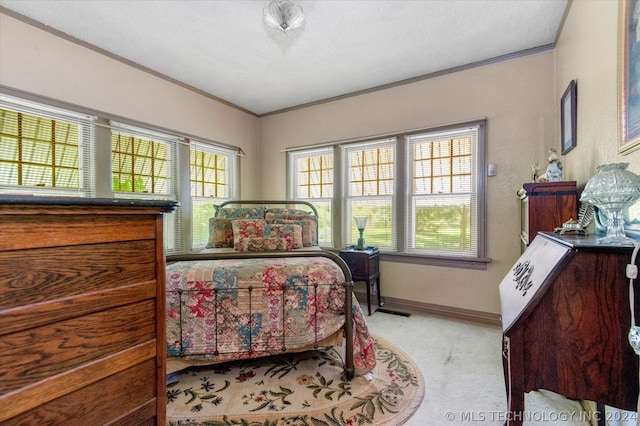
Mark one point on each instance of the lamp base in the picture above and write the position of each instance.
(361, 245)
(616, 241)
(615, 229)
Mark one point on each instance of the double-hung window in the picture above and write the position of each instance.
(312, 179)
(212, 182)
(44, 150)
(421, 191)
(144, 166)
(442, 199)
(370, 191)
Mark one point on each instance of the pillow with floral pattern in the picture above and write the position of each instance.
(247, 228)
(292, 233)
(220, 233)
(309, 225)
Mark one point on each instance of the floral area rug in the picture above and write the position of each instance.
(297, 389)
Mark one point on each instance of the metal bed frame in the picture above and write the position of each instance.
(348, 283)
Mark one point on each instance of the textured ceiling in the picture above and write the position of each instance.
(223, 47)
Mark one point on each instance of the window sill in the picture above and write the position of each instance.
(479, 263)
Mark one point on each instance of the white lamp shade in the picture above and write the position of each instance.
(361, 222)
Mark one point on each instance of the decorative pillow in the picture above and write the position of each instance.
(246, 228)
(262, 244)
(292, 233)
(309, 225)
(220, 233)
(242, 212)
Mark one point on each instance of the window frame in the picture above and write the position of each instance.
(86, 140)
(401, 194)
(231, 175)
(350, 199)
(293, 183)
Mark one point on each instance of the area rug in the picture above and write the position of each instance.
(297, 389)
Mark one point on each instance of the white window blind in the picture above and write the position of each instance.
(312, 179)
(144, 165)
(45, 150)
(441, 211)
(211, 182)
(369, 175)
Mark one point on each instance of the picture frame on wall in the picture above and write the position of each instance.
(568, 115)
(628, 78)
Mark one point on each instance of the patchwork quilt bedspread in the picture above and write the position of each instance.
(221, 310)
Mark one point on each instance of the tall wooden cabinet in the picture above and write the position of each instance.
(546, 206)
(82, 330)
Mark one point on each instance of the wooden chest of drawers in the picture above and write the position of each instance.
(82, 311)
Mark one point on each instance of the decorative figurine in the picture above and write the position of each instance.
(554, 168)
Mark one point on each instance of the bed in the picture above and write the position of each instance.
(262, 287)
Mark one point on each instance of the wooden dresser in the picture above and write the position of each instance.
(82, 335)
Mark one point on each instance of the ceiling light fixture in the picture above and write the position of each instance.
(283, 15)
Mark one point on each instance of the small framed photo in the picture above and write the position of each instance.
(568, 117)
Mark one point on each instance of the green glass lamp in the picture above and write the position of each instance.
(361, 223)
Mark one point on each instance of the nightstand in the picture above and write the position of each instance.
(364, 266)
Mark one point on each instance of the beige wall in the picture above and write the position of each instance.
(587, 52)
(517, 98)
(35, 61)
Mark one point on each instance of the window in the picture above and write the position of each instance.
(211, 183)
(442, 201)
(45, 152)
(422, 191)
(138, 165)
(313, 181)
(370, 191)
(144, 165)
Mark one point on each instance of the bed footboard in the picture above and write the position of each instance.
(348, 327)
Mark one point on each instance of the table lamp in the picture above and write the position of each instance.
(613, 189)
(361, 223)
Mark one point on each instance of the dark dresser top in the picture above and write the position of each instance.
(163, 205)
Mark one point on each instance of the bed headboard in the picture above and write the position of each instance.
(301, 205)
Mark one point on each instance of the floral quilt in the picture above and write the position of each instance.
(221, 310)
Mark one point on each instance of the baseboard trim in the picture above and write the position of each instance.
(409, 306)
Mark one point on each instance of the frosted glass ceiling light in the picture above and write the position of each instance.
(613, 189)
(283, 15)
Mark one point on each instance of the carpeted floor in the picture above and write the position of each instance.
(462, 367)
(297, 389)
